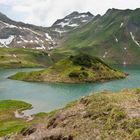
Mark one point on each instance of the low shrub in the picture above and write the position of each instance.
(78, 74)
(82, 60)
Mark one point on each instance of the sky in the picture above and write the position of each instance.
(46, 12)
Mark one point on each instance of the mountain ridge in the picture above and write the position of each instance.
(19, 34)
(113, 37)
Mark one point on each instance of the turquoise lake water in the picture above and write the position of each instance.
(46, 97)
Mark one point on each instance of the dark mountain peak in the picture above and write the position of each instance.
(125, 12)
(73, 14)
(76, 13)
(88, 13)
(4, 18)
(111, 10)
(2, 15)
(72, 21)
(96, 17)
(137, 9)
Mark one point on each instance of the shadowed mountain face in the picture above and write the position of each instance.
(114, 37)
(21, 35)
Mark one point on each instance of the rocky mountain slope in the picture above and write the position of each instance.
(80, 68)
(21, 35)
(114, 37)
(106, 115)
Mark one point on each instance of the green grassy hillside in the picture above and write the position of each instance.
(8, 123)
(74, 69)
(14, 58)
(115, 37)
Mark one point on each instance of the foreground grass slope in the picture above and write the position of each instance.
(105, 115)
(74, 69)
(15, 58)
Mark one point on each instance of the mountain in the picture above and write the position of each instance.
(80, 68)
(71, 22)
(21, 35)
(114, 37)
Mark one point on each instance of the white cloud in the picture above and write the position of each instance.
(45, 12)
(2, 1)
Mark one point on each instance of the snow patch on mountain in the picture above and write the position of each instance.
(73, 25)
(14, 55)
(42, 41)
(66, 19)
(63, 24)
(34, 32)
(18, 42)
(7, 41)
(60, 31)
(48, 37)
(124, 63)
(36, 41)
(84, 20)
(40, 47)
(133, 38)
(116, 39)
(81, 16)
(105, 54)
(121, 25)
(37, 38)
(26, 41)
(31, 41)
(50, 48)
(8, 25)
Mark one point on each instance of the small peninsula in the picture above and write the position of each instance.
(81, 68)
(9, 122)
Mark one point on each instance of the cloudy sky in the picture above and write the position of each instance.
(45, 12)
